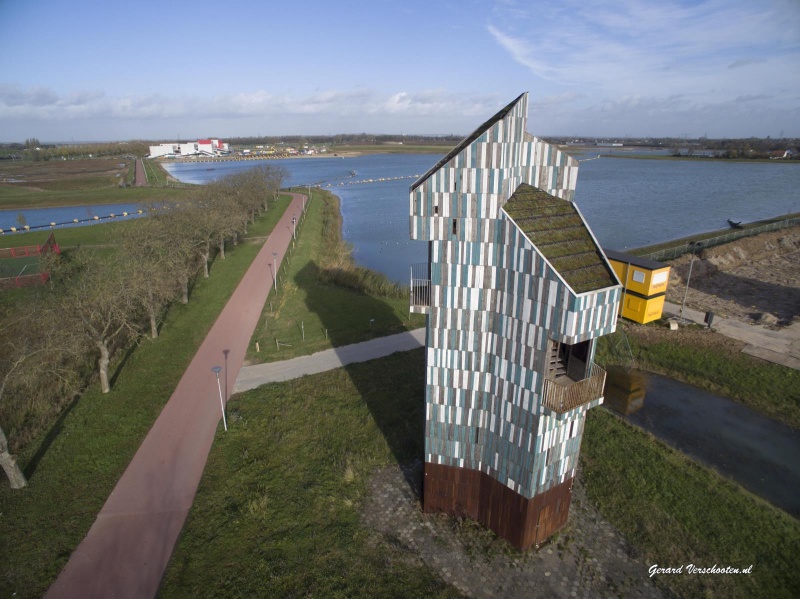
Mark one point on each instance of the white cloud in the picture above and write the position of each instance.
(645, 47)
(359, 109)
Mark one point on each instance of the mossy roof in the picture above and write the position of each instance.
(561, 235)
(467, 141)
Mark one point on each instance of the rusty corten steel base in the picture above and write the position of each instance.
(469, 493)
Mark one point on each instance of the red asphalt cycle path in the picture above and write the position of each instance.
(130, 543)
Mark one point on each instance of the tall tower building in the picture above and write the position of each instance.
(517, 290)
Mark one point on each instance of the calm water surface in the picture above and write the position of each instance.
(627, 202)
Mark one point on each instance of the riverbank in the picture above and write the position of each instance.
(336, 152)
(58, 183)
(323, 298)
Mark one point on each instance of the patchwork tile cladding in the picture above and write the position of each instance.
(518, 292)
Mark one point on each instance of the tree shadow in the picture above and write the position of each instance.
(395, 396)
(120, 365)
(52, 434)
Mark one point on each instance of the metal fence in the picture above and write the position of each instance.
(734, 234)
(24, 281)
(420, 285)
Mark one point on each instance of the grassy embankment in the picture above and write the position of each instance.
(278, 509)
(632, 156)
(325, 296)
(392, 149)
(79, 182)
(676, 512)
(74, 467)
(277, 512)
(684, 241)
(768, 388)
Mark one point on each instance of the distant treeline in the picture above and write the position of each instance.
(752, 147)
(33, 149)
(355, 139)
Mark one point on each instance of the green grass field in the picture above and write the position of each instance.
(75, 465)
(277, 511)
(100, 234)
(676, 511)
(29, 184)
(14, 267)
(327, 315)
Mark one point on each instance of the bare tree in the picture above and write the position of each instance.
(38, 372)
(179, 246)
(155, 276)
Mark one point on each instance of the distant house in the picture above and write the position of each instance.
(517, 291)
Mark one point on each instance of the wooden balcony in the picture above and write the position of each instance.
(562, 394)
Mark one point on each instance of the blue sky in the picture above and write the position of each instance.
(111, 70)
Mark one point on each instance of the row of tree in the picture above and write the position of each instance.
(98, 302)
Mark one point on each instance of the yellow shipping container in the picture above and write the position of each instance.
(644, 285)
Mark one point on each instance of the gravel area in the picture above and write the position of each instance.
(589, 558)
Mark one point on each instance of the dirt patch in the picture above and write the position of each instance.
(755, 279)
(684, 336)
(588, 558)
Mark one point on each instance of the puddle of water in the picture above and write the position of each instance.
(761, 454)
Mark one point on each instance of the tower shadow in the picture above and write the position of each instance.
(394, 393)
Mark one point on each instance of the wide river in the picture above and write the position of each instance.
(628, 202)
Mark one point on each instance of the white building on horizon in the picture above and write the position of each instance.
(201, 147)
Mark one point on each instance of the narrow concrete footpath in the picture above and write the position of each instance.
(781, 346)
(130, 543)
(251, 377)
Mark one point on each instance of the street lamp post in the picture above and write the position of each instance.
(275, 269)
(216, 370)
(693, 244)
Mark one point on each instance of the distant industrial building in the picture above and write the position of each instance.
(517, 291)
(201, 147)
(644, 285)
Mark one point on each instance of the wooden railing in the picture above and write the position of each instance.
(563, 398)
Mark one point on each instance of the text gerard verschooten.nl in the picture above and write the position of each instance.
(695, 569)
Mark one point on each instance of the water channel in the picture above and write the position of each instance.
(628, 202)
(761, 454)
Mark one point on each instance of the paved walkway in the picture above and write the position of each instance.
(130, 543)
(251, 377)
(140, 177)
(781, 347)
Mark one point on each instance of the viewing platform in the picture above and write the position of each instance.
(562, 394)
(420, 300)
